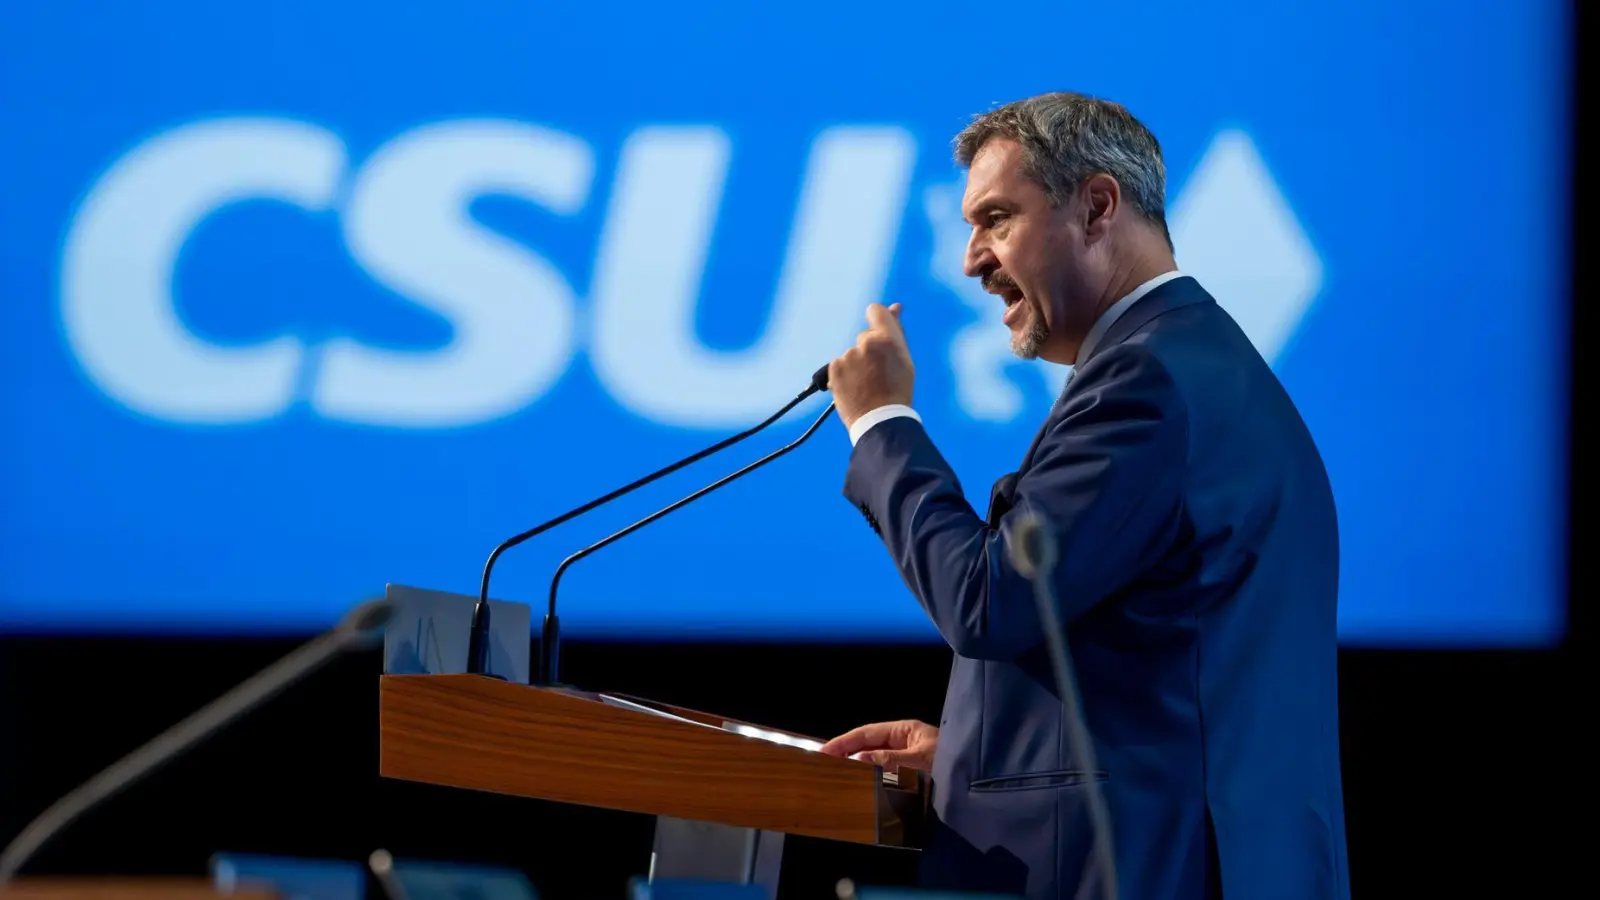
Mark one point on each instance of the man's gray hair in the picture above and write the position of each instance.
(1066, 138)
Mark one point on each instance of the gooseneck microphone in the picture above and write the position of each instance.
(478, 642)
(550, 638)
(1032, 549)
(356, 630)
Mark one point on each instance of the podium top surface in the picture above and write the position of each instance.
(572, 746)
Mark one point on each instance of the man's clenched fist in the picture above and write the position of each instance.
(877, 371)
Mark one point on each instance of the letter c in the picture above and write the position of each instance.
(118, 259)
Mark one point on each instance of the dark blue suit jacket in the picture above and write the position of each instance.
(1198, 576)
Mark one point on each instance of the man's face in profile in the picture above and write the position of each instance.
(1019, 245)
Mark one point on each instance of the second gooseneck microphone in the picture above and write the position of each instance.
(550, 638)
(478, 642)
(359, 628)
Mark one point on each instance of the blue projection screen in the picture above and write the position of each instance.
(304, 298)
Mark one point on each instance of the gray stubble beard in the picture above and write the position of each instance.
(1028, 344)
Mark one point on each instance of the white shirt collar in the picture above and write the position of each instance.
(1110, 316)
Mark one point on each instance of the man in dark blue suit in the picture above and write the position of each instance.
(1197, 549)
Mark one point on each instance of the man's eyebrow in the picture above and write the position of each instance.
(986, 206)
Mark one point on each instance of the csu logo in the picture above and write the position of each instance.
(515, 317)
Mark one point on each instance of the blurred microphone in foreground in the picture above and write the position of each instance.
(1032, 549)
(360, 628)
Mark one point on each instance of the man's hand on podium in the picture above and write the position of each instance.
(906, 743)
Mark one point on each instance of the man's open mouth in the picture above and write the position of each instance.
(1016, 310)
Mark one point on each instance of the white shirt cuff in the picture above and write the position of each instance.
(881, 414)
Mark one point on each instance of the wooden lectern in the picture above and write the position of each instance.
(723, 798)
(98, 888)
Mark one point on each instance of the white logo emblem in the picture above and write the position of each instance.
(1238, 237)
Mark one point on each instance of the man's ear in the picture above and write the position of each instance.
(1100, 199)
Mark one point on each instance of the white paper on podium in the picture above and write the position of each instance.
(640, 707)
(775, 737)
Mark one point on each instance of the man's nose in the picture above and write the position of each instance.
(980, 260)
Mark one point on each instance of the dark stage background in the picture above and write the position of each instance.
(1459, 767)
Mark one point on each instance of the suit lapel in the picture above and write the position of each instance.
(1056, 409)
(1003, 495)
(1175, 294)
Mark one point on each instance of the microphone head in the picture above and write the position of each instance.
(1032, 547)
(819, 379)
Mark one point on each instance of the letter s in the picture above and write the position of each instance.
(512, 311)
(118, 257)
